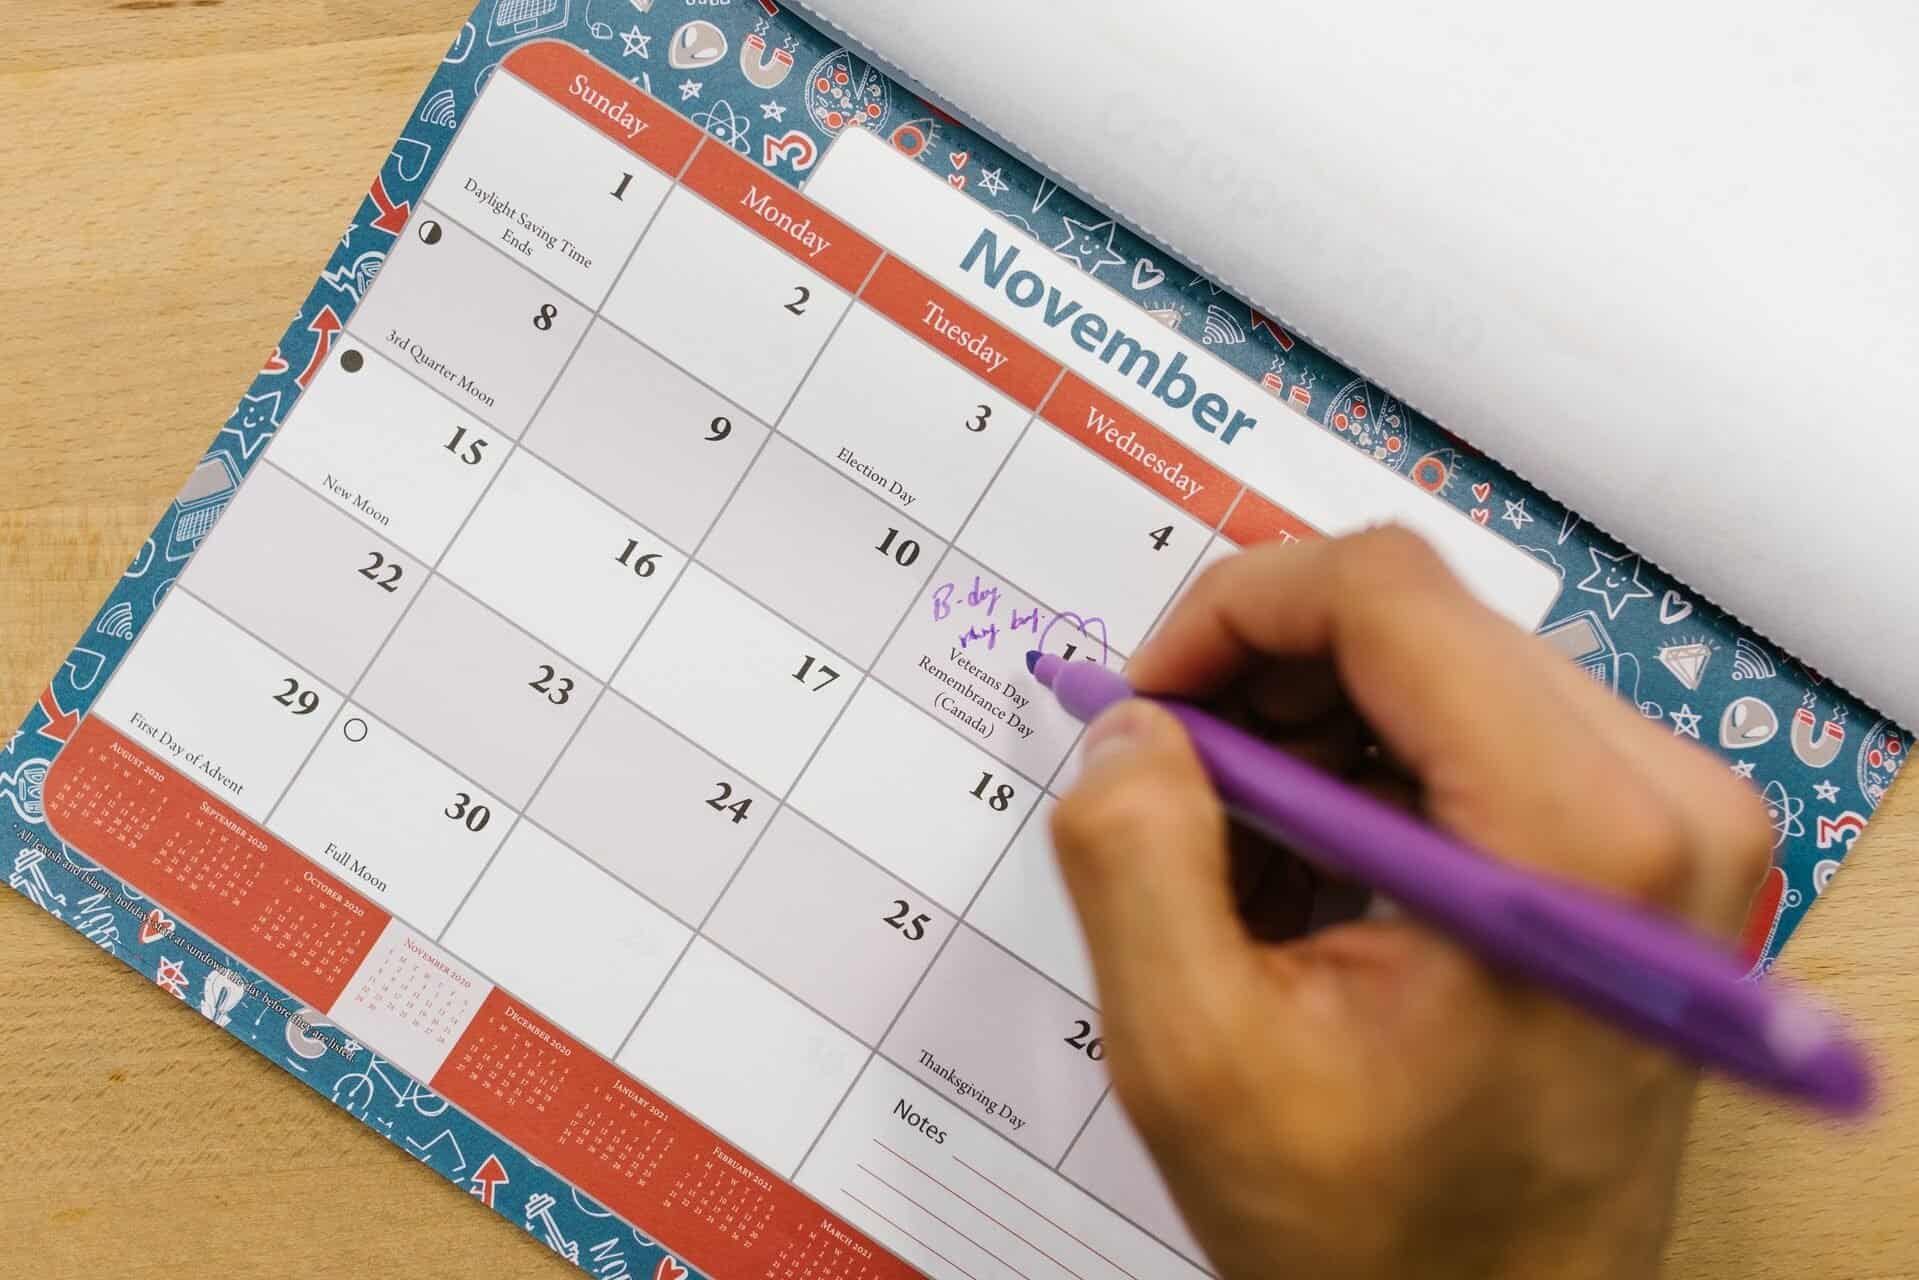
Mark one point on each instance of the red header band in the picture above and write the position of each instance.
(1141, 449)
(615, 107)
(961, 332)
(782, 216)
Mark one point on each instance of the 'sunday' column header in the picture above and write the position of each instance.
(598, 96)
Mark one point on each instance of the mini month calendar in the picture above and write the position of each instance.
(576, 716)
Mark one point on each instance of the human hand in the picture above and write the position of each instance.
(1369, 1100)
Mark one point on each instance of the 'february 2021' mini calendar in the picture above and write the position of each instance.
(576, 716)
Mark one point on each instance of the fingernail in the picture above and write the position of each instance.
(1114, 733)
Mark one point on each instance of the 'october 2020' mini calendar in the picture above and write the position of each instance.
(577, 719)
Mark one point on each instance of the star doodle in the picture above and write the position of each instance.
(1083, 245)
(1516, 514)
(636, 42)
(991, 181)
(689, 89)
(1686, 721)
(1743, 769)
(1826, 791)
(770, 110)
(1617, 579)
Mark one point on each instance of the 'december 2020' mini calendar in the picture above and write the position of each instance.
(575, 717)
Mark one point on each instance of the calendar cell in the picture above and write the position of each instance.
(1017, 1052)
(461, 318)
(961, 654)
(549, 925)
(388, 450)
(652, 808)
(750, 1060)
(1025, 909)
(903, 420)
(829, 926)
(645, 436)
(454, 664)
(737, 679)
(901, 1152)
(411, 999)
(734, 309)
(572, 569)
(301, 576)
(1111, 1162)
(795, 527)
(525, 175)
(216, 704)
(389, 819)
(913, 796)
(1084, 536)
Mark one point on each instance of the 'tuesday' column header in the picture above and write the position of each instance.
(598, 96)
(961, 331)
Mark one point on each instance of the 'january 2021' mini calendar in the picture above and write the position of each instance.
(576, 716)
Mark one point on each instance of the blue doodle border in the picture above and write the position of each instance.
(1629, 611)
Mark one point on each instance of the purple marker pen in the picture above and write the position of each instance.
(1632, 968)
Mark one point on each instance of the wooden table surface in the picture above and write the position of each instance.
(176, 173)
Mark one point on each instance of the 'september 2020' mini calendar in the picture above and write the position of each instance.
(577, 717)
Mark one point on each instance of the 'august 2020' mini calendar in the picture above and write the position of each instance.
(576, 716)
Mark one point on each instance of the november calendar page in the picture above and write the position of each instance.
(575, 716)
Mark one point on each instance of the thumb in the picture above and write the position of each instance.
(1141, 841)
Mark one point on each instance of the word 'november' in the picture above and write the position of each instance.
(1172, 386)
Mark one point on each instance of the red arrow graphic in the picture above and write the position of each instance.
(1283, 338)
(488, 1178)
(60, 722)
(323, 326)
(392, 216)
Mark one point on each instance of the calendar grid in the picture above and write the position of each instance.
(526, 846)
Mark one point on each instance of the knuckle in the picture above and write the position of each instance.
(1389, 551)
(1741, 838)
(1172, 1082)
(1091, 822)
(1655, 858)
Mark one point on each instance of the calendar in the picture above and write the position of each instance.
(578, 720)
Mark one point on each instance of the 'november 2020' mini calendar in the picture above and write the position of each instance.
(576, 716)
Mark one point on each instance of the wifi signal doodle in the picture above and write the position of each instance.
(1222, 328)
(116, 621)
(1750, 662)
(441, 110)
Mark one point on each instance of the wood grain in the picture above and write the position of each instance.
(177, 171)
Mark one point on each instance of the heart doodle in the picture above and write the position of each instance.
(669, 1269)
(154, 927)
(1674, 607)
(957, 181)
(1146, 274)
(1482, 491)
(1482, 514)
(959, 159)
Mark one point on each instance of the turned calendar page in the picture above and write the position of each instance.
(575, 717)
